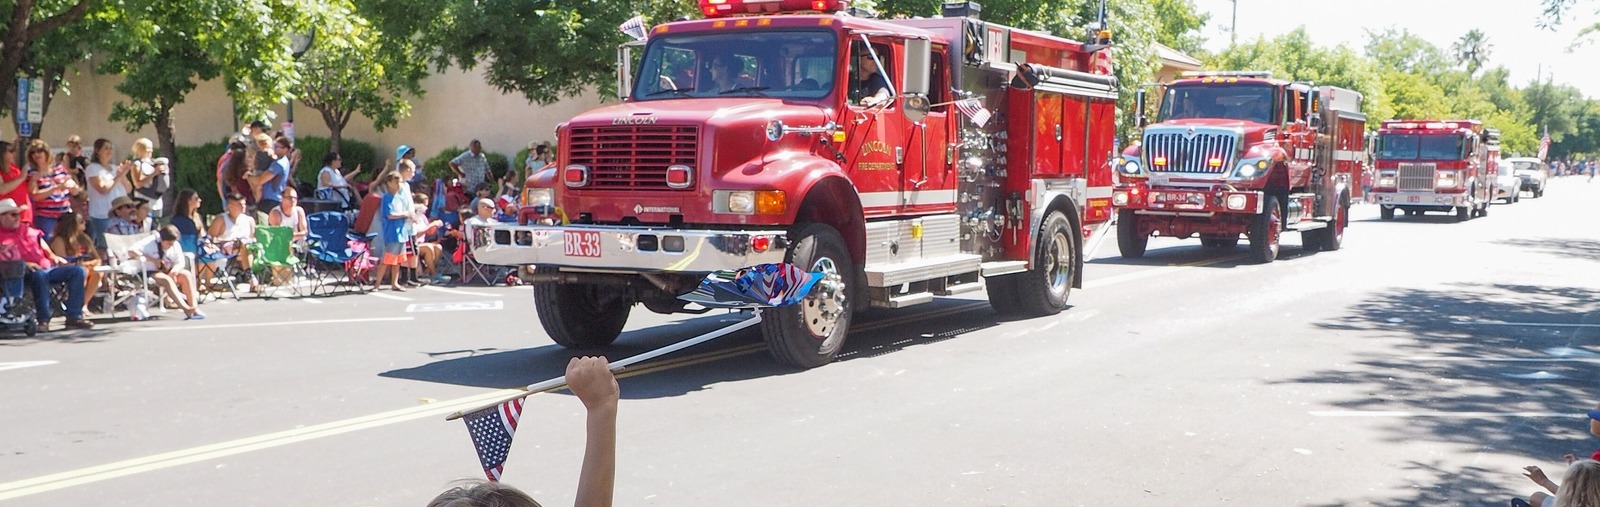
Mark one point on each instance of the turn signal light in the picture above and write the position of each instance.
(1159, 160)
(1214, 162)
(771, 202)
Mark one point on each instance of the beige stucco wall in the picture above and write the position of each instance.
(458, 107)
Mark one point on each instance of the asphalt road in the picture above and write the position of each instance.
(1424, 364)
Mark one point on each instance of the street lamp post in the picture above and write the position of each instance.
(299, 43)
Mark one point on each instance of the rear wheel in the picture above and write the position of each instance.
(1332, 236)
(1266, 229)
(1129, 241)
(811, 333)
(1386, 212)
(581, 316)
(1044, 289)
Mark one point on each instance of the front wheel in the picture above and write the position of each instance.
(1386, 212)
(1129, 241)
(1463, 213)
(581, 316)
(1266, 228)
(811, 333)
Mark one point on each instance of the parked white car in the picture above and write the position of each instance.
(1532, 171)
(1509, 186)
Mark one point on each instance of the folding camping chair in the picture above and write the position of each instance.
(330, 250)
(209, 265)
(122, 276)
(470, 267)
(273, 254)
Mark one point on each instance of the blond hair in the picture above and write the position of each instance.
(1581, 485)
(144, 144)
(262, 141)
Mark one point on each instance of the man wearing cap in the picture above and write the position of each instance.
(472, 166)
(123, 219)
(18, 242)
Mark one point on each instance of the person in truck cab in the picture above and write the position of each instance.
(725, 70)
(869, 87)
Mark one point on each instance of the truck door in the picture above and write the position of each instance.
(1302, 140)
(1323, 160)
(927, 183)
(874, 135)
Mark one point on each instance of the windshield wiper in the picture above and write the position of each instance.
(670, 90)
(744, 89)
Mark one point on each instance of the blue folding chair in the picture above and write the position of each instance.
(329, 251)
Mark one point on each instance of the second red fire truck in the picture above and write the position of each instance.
(1436, 165)
(904, 159)
(1241, 153)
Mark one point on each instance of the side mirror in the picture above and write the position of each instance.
(624, 72)
(1138, 109)
(918, 62)
(916, 107)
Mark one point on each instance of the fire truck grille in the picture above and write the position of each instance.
(633, 157)
(1414, 176)
(1206, 153)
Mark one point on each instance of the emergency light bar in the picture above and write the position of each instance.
(1432, 125)
(724, 8)
(1262, 74)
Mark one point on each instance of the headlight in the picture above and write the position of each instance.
(1250, 168)
(1385, 180)
(1237, 201)
(1447, 179)
(747, 202)
(742, 201)
(533, 196)
(1129, 166)
(1119, 198)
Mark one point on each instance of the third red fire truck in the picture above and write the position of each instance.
(1436, 165)
(904, 159)
(1241, 153)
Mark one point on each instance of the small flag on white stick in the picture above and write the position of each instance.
(974, 111)
(634, 27)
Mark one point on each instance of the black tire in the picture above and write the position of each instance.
(1266, 231)
(1129, 242)
(1332, 236)
(581, 316)
(811, 333)
(31, 329)
(1386, 212)
(1463, 213)
(1002, 291)
(1216, 242)
(1484, 211)
(1044, 289)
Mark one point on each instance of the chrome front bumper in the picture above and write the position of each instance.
(1419, 199)
(641, 249)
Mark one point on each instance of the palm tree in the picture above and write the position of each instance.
(1472, 49)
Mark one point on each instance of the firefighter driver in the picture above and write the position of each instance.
(868, 87)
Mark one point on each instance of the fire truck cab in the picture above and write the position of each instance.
(903, 159)
(1240, 153)
(1436, 165)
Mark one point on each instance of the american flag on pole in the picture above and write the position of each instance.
(974, 111)
(491, 430)
(1544, 145)
(634, 27)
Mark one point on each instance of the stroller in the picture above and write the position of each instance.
(16, 305)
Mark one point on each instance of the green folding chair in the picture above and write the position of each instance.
(274, 249)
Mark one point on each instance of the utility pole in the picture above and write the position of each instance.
(1233, 29)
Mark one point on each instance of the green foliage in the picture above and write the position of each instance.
(1472, 50)
(1178, 25)
(349, 70)
(354, 152)
(1294, 56)
(196, 167)
(438, 166)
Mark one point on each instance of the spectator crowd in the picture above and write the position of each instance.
(58, 207)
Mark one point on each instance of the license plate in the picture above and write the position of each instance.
(1413, 199)
(581, 243)
(1179, 198)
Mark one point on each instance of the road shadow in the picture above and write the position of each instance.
(1582, 249)
(1445, 483)
(1441, 337)
(18, 339)
(737, 357)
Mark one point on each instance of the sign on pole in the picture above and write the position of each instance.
(21, 112)
(35, 101)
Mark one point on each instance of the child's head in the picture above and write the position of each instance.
(483, 494)
(420, 199)
(390, 182)
(483, 190)
(1581, 485)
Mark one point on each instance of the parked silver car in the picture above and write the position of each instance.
(1532, 172)
(1508, 186)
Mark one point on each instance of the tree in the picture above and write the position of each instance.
(1178, 25)
(1472, 50)
(349, 70)
(31, 20)
(544, 50)
(1404, 51)
(1294, 56)
(163, 49)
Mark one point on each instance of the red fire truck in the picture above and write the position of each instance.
(1436, 165)
(1236, 153)
(788, 131)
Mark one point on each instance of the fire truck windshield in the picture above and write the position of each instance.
(1420, 146)
(1248, 102)
(791, 64)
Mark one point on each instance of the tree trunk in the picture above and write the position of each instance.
(336, 125)
(164, 135)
